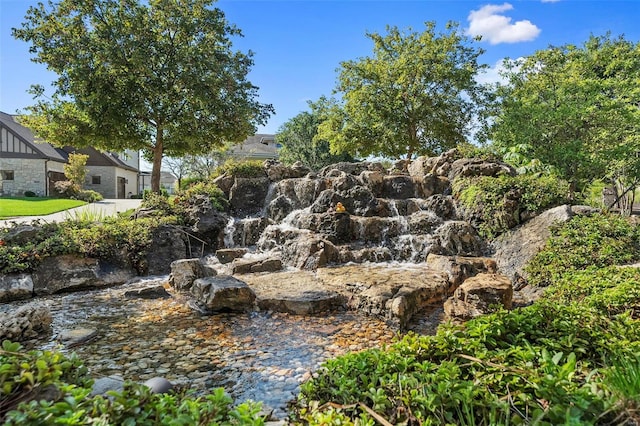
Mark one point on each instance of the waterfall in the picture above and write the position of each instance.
(229, 230)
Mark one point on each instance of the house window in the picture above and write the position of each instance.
(6, 174)
(95, 180)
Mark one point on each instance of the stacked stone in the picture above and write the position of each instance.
(26, 322)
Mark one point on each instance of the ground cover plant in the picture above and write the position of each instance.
(571, 358)
(49, 388)
(34, 206)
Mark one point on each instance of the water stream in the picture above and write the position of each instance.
(261, 356)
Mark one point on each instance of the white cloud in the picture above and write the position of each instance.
(493, 26)
(550, 1)
(492, 74)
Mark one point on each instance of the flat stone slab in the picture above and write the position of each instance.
(295, 292)
(394, 292)
(77, 336)
(222, 294)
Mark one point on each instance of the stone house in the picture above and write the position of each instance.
(257, 147)
(29, 164)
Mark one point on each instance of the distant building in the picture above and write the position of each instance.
(257, 147)
(167, 182)
(28, 164)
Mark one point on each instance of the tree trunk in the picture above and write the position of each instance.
(157, 162)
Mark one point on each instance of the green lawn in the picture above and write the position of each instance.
(34, 206)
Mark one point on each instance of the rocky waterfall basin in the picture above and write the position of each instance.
(262, 355)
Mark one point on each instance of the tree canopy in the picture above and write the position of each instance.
(576, 107)
(158, 75)
(298, 137)
(417, 95)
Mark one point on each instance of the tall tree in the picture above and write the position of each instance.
(75, 169)
(299, 140)
(577, 107)
(415, 96)
(156, 75)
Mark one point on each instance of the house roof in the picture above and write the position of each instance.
(46, 150)
(260, 145)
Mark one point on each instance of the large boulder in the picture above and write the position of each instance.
(276, 171)
(480, 295)
(25, 323)
(222, 294)
(227, 255)
(401, 187)
(514, 248)
(207, 225)
(185, 271)
(250, 266)
(167, 244)
(466, 167)
(460, 268)
(247, 232)
(247, 196)
(20, 234)
(69, 273)
(15, 287)
(457, 238)
(308, 251)
(336, 227)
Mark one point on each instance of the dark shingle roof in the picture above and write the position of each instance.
(45, 149)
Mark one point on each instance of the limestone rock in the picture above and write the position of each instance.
(77, 336)
(64, 273)
(465, 167)
(150, 292)
(457, 238)
(248, 266)
(299, 293)
(167, 244)
(185, 271)
(224, 182)
(276, 171)
(247, 196)
(20, 234)
(308, 251)
(479, 295)
(229, 254)
(222, 293)
(514, 248)
(24, 323)
(460, 268)
(15, 287)
(102, 385)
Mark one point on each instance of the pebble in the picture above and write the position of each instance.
(260, 356)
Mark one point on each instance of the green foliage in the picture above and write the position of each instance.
(533, 364)
(188, 181)
(575, 107)
(299, 142)
(497, 204)
(209, 189)
(241, 169)
(159, 76)
(113, 238)
(592, 194)
(416, 95)
(24, 377)
(29, 194)
(75, 169)
(598, 240)
(89, 196)
(158, 202)
(67, 189)
(623, 378)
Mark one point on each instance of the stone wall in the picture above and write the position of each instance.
(29, 175)
(109, 175)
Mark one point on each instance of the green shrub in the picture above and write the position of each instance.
(89, 196)
(158, 202)
(25, 376)
(218, 199)
(185, 183)
(241, 169)
(29, 194)
(67, 189)
(497, 204)
(598, 240)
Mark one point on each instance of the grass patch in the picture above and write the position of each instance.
(32, 206)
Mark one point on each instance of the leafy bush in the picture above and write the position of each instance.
(89, 196)
(496, 204)
(158, 202)
(598, 240)
(117, 239)
(66, 189)
(49, 388)
(185, 183)
(29, 194)
(208, 189)
(241, 169)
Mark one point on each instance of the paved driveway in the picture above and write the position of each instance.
(101, 208)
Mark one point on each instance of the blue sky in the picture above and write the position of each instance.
(298, 45)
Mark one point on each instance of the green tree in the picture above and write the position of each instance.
(299, 140)
(156, 75)
(75, 170)
(415, 96)
(576, 108)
